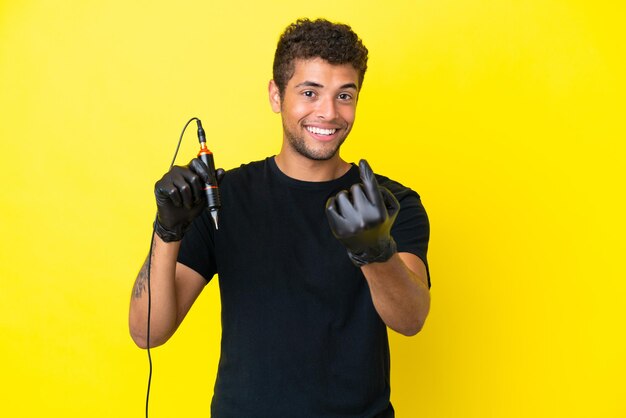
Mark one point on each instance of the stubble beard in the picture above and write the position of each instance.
(298, 143)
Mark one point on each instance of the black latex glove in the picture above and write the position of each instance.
(362, 218)
(180, 198)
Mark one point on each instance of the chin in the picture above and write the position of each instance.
(318, 155)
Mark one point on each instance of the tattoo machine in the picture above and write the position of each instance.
(211, 186)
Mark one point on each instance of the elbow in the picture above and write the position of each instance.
(412, 324)
(409, 323)
(409, 330)
(139, 334)
(138, 331)
(141, 340)
(160, 330)
(415, 322)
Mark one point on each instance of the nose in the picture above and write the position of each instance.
(326, 108)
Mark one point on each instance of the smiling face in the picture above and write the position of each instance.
(318, 108)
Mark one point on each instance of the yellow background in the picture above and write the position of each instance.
(506, 116)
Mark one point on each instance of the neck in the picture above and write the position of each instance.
(301, 168)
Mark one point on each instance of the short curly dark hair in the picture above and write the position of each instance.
(335, 43)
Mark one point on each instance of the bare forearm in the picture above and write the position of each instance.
(400, 295)
(163, 318)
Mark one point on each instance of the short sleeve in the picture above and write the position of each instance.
(197, 249)
(411, 230)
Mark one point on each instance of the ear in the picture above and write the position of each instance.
(274, 95)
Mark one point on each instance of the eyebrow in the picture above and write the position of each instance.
(318, 85)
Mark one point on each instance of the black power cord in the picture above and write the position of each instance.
(149, 268)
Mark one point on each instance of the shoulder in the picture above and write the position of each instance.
(245, 172)
(410, 202)
(399, 190)
(253, 166)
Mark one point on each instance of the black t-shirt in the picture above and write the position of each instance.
(300, 335)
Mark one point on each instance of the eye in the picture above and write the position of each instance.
(345, 96)
(308, 93)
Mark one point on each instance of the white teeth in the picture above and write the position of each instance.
(320, 131)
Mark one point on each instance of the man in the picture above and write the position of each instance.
(303, 323)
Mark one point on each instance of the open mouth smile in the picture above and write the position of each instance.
(321, 131)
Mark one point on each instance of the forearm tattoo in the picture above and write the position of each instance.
(141, 282)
